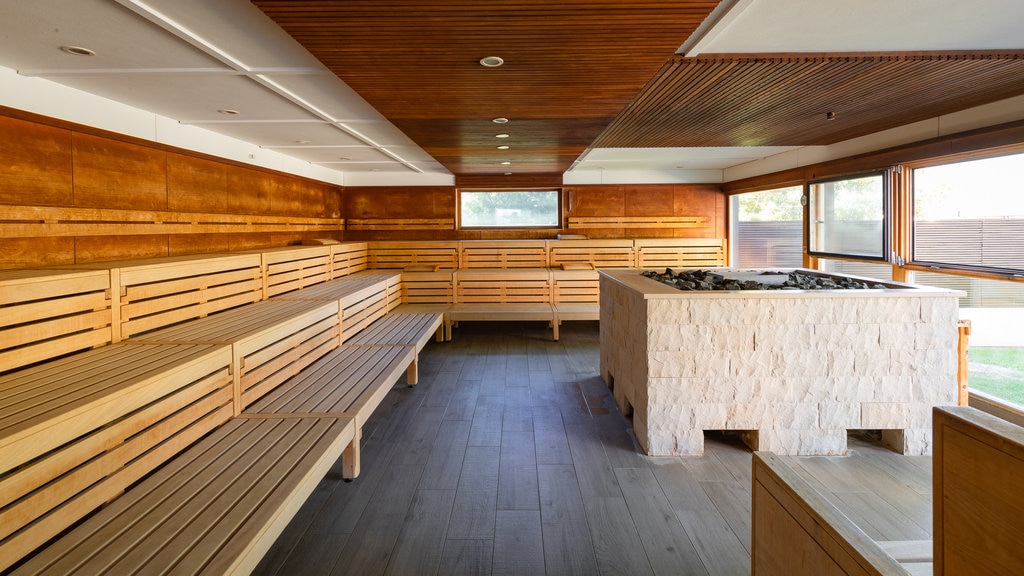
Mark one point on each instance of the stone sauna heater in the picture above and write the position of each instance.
(790, 370)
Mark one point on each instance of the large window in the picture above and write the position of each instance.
(509, 209)
(849, 217)
(767, 228)
(970, 215)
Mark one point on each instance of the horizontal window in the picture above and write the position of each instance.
(509, 209)
(970, 215)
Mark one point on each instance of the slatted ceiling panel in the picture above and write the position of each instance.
(555, 54)
(743, 100)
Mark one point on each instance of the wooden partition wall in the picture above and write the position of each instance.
(70, 194)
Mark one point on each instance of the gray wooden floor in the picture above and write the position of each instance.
(510, 457)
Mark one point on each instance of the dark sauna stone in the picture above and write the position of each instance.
(708, 280)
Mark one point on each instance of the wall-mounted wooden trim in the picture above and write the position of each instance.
(401, 224)
(638, 222)
(43, 221)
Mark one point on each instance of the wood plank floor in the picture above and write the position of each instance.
(510, 457)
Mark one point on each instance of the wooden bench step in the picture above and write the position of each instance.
(270, 340)
(215, 509)
(349, 381)
(76, 432)
(413, 330)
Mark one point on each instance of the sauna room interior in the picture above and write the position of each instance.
(664, 287)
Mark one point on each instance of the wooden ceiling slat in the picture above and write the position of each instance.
(739, 100)
(603, 73)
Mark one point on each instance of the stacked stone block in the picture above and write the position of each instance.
(793, 370)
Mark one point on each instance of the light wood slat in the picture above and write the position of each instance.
(46, 313)
(242, 484)
(599, 222)
(74, 433)
(656, 253)
(398, 254)
(598, 253)
(400, 224)
(43, 221)
(503, 254)
(348, 258)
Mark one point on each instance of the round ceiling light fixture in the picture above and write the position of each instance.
(501, 120)
(228, 111)
(504, 147)
(501, 135)
(491, 61)
(506, 163)
(77, 51)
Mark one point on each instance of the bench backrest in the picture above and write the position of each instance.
(47, 313)
(978, 510)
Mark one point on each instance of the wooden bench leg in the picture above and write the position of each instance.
(350, 457)
(412, 373)
(554, 329)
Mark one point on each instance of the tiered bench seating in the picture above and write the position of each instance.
(77, 431)
(977, 513)
(214, 509)
(46, 313)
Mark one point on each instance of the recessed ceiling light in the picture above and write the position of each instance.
(228, 111)
(506, 163)
(500, 120)
(830, 115)
(501, 135)
(303, 141)
(346, 158)
(504, 147)
(491, 61)
(77, 50)
(508, 173)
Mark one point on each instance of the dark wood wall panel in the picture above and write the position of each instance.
(95, 177)
(35, 164)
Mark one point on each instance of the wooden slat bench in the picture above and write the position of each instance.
(494, 294)
(362, 298)
(679, 252)
(398, 329)
(503, 254)
(46, 313)
(294, 267)
(350, 381)
(77, 431)
(270, 340)
(157, 292)
(214, 509)
(353, 379)
(575, 294)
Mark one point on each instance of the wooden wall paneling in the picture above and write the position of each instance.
(35, 164)
(702, 200)
(196, 184)
(648, 200)
(35, 252)
(183, 244)
(105, 248)
(113, 174)
(248, 191)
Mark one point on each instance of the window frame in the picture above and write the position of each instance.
(976, 270)
(558, 217)
(887, 217)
